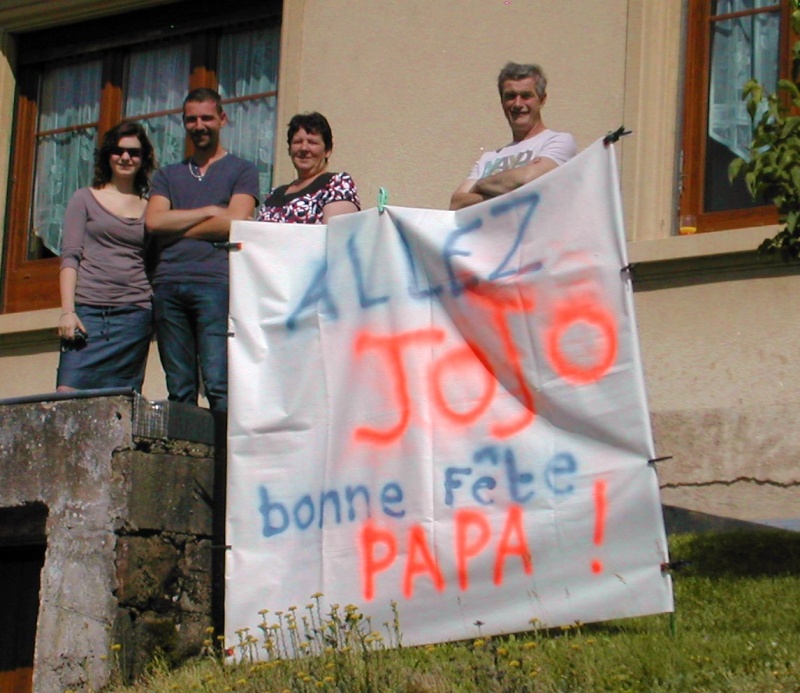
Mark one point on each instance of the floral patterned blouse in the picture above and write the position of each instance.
(306, 205)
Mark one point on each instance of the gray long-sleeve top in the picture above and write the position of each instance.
(107, 251)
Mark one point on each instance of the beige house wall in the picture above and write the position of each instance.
(409, 88)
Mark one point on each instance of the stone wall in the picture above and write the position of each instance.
(129, 531)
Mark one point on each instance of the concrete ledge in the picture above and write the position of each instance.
(691, 271)
(699, 245)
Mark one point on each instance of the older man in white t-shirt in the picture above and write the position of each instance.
(535, 149)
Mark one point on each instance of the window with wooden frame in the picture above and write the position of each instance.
(75, 82)
(728, 42)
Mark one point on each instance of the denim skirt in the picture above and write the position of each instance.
(115, 352)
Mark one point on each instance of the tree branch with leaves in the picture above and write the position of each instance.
(772, 171)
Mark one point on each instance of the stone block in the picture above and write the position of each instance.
(147, 573)
(171, 493)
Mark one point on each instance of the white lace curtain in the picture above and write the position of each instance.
(65, 158)
(156, 80)
(248, 64)
(743, 48)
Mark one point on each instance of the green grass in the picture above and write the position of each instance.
(736, 628)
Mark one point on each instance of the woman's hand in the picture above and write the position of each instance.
(68, 323)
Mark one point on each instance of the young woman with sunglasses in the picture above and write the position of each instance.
(106, 313)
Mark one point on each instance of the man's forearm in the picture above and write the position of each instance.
(506, 181)
(500, 183)
(216, 228)
(177, 221)
(460, 200)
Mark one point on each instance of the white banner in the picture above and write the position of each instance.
(445, 409)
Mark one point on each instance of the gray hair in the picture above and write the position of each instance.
(515, 71)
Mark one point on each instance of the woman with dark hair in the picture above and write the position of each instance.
(106, 312)
(315, 195)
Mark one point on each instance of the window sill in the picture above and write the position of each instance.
(704, 258)
(699, 244)
(31, 327)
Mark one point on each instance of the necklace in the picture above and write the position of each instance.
(194, 169)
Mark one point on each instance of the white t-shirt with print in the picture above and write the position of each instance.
(558, 146)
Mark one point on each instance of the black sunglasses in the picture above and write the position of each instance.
(133, 152)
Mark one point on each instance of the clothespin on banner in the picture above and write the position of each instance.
(614, 136)
(383, 199)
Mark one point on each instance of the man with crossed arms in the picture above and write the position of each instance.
(535, 149)
(190, 211)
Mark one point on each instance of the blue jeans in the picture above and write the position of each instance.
(192, 328)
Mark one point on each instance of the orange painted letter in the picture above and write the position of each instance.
(392, 348)
(420, 560)
(465, 519)
(458, 359)
(370, 537)
(512, 543)
(500, 305)
(604, 353)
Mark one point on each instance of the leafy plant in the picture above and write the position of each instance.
(772, 171)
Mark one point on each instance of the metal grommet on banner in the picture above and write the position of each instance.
(383, 199)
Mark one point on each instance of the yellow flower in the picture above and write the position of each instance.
(513, 663)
